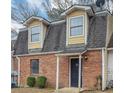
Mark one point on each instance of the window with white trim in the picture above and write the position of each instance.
(76, 26)
(35, 34)
(34, 66)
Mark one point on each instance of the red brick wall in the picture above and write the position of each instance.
(14, 64)
(92, 68)
(47, 67)
(64, 72)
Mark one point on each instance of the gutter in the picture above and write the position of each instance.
(18, 60)
(95, 48)
(109, 48)
(103, 11)
(83, 52)
(42, 53)
(53, 52)
(70, 54)
(67, 54)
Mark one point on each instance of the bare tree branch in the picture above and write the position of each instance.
(22, 11)
(58, 7)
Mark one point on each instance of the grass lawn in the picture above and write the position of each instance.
(48, 90)
(107, 91)
(31, 90)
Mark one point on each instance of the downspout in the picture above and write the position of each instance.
(104, 65)
(12, 62)
(79, 79)
(80, 72)
(103, 60)
(18, 60)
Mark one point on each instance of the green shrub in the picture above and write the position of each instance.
(31, 81)
(41, 81)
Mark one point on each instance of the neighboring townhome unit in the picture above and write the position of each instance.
(69, 52)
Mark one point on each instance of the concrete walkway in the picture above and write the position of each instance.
(68, 90)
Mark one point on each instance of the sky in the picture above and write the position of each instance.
(32, 3)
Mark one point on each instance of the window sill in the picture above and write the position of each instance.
(76, 36)
(35, 74)
(34, 42)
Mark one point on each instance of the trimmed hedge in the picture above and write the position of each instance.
(41, 81)
(31, 81)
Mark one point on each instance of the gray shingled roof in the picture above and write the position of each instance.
(21, 45)
(97, 31)
(55, 39)
(74, 49)
(12, 44)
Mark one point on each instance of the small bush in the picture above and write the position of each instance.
(99, 82)
(31, 81)
(41, 81)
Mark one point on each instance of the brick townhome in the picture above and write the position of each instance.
(69, 52)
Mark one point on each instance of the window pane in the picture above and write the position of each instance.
(35, 66)
(35, 37)
(76, 31)
(76, 21)
(35, 30)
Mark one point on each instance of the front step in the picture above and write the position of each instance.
(68, 90)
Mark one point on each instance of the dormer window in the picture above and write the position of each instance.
(76, 26)
(35, 34)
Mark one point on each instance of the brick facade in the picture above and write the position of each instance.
(92, 68)
(64, 72)
(14, 64)
(47, 67)
(14, 69)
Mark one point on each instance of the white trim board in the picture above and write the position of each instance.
(35, 54)
(77, 57)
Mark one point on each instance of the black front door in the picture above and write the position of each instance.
(74, 72)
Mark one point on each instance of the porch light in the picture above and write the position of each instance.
(85, 57)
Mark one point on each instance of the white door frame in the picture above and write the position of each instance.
(70, 70)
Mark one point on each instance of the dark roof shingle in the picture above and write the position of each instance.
(97, 32)
(21, 45)
(12, 44)
(55, 39)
